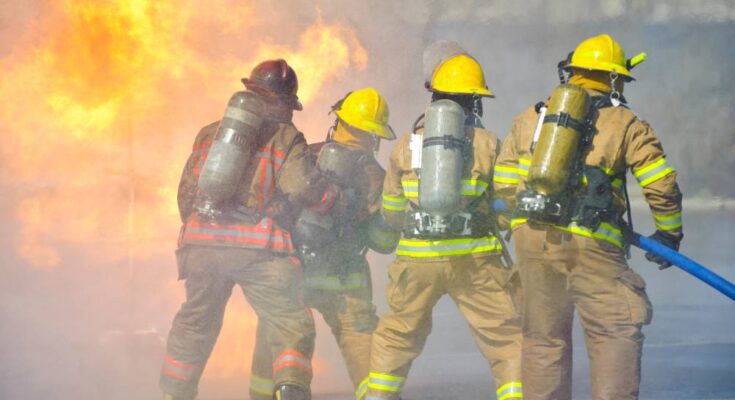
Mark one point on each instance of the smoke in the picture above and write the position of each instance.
(102, 101)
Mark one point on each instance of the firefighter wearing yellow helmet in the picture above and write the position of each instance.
(332, 247)
(569, 243)
(436, 193)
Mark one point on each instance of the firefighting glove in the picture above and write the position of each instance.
(667, 240)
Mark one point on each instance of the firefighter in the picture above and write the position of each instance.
(573, 255)
(336, 273)
(258, 155)
(446, 248)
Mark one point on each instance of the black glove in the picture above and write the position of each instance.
(667, 240)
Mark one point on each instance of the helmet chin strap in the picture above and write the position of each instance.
(614, 94)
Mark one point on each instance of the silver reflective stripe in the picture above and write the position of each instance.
(468, 245)
(235, 233)
(290, 357)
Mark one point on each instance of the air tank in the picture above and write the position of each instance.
(336, 163)
(228, 156)
(442, 156)
(559, 140)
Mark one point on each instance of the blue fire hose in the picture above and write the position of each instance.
(680, 260)
(699, 271)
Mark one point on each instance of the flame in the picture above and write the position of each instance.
(106, 99)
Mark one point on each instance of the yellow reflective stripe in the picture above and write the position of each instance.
(386, 382)
(473, 187)
(419, 248)
(511, 390)
(410, 187)
(394, 203)
(261, 385)
(507, 175)
(652, 172)
(362, 389)
(523, 165)
(667, 222)
(617, 183)
(604, 232)
(470, 187)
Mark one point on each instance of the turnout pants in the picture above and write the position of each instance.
(345, 301)
(271, 284)
(485, 294)
(561, 271)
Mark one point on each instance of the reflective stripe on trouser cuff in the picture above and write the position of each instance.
(511, 390)
(506, 175)
(667, 222)
(362, 389)
(177, 369)
(386, 382)
(394, 203)
(652, 172)
(292, 358)
(353, 281)
(523, 166)
(448, 247)
(604, 232)
(261, 385)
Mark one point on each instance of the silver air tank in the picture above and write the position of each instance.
(230, 151)
(337, 163)
(442, 158)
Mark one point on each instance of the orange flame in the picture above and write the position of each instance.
(106, 99)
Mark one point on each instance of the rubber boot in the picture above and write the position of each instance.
(289, 391)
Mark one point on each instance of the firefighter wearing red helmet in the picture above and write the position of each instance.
(244, 177)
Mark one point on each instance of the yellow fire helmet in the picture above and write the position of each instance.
(460, 74)
(366, 110)
(603, 53)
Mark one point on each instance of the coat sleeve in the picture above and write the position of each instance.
(507, 172)
(647, 161)
(188, 184)
(300, 181)
(394, 200)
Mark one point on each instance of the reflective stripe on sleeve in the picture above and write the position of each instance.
(410, 187)
(419, 248)
(261, 385)
(667, 222)
(386, 382)
(506, 175)
(652, 172)
(362, 389)
(511, 390)
(394, 203)
(473, 187)
(523, 165)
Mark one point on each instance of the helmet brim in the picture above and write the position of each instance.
(295, 103)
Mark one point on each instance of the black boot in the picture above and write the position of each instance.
(289, 391)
